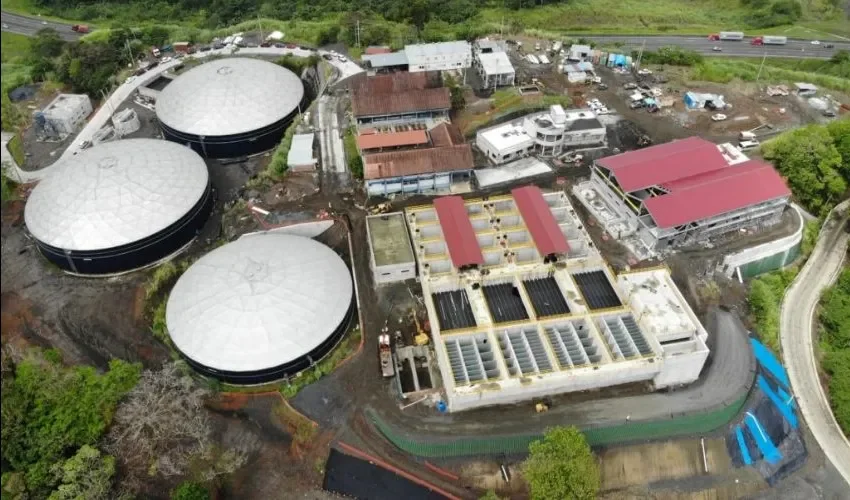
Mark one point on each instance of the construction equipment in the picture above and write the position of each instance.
(386, 355)
(541, 407)
(421, 337)
(380, 208)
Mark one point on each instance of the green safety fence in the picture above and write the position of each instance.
(596, 436)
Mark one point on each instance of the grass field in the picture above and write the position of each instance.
(820, 20)
(14, 70)
(821, 73)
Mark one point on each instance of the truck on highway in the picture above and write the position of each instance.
(386, 354)
(769, 40)
(80, 28)
(727, 36)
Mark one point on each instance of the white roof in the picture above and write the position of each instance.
(506, 136)
(383, 60)
(438, 49)
(229, 96)
(496, 63)
(301, 150)
(511, 172)
(260, 302)
(115, 193)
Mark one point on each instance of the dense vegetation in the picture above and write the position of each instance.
(835, 344)
(52, 417)
(561, 465)
(816, 162)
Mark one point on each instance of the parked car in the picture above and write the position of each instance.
(602, 86)
(265, 44)
(636, 105)
(644, 71)
(745, 145)
(630, 86)
(327, 57)
(218, 45)
(829, 113)
(205, 48)
(279, 45)
(719, 117)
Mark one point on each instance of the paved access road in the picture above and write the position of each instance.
(26, 25)
(701, 44)
(797, 318)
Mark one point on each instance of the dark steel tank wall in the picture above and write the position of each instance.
(234, 146)
(138, 254)
(282, 371)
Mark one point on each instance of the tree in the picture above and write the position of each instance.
(810, 161)
(190, 490)
(840, 57)
(46, 44)
(561, 466)
(161, 429)
(456, 93)
(49, 409)
(87, 475)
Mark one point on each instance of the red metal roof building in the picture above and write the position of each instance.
(539, 220)
(458, 231)
(691, 189)
(716, 193)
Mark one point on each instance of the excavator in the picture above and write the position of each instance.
(421, 337)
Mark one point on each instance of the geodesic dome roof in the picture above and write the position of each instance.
(115, 194)
(229, 96)
(260, 302)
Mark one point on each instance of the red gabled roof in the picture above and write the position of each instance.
(539, 220)
(716, 193)
(457, 231)
(392, 139)
(664, 163)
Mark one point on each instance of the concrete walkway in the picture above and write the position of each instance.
(102, 116)
(797, 337)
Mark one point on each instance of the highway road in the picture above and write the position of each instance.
(797, 337)
(701, 44)
(25, 25)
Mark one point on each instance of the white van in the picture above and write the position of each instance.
(746, 136)
(745, 145)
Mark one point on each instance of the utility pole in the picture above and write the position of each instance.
(130, 52)
(260, 24)
(761, 66)
(640, 54)
(357, 33)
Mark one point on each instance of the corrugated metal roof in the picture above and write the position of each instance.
(538, 218)
(411, 101)
(457, 231)
(301, 151)
(392, 139)
(375, 49)
(385, 60)
(417, 161)
(664, 163)
(445, 134)
(395, 82)
(437, 49)
(718, 192)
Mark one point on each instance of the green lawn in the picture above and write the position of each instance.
(14, 70)
(819, 72)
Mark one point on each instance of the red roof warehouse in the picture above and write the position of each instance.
(693, 181)
(458, 232)
(539, 220)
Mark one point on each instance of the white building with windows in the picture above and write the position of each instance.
(66, 113)
(546, 133)
(443, 56)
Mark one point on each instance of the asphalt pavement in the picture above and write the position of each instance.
(29, 26)
(701, 44)
(797, 318)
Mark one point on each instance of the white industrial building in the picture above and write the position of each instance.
(442, 56)
(545, 133)
(391, 256)
(64, 115)
(521, 305)
(493, 65)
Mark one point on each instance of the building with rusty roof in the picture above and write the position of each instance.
(428, 162)
(399, 98)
